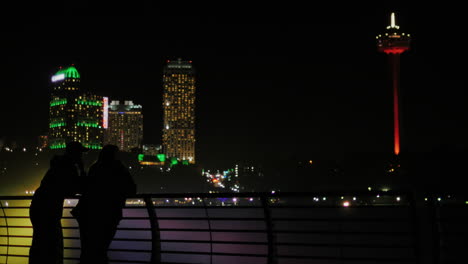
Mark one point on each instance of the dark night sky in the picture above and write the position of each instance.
(272, 81)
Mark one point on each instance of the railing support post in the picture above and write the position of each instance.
(269, 227)
(435, 217)
(155, 234)
(415, 213)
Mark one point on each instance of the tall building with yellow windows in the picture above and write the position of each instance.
(74, 114)
(179, 111)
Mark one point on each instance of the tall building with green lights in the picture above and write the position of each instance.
(179, 111)
(75, 114)
(125, 125)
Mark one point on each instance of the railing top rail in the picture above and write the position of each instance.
(244, 194)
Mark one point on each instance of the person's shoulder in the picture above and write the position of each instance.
(119, 164)
(95, 166)
(57, 159)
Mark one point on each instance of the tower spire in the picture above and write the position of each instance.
(393, 22)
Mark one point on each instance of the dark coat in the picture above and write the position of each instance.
(107, 186)
(61, 180)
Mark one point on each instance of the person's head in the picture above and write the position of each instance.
(108, 153)
(75, 149)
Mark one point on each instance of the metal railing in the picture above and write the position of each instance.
(289, 228)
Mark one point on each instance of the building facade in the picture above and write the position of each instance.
(179, 111)
(125, 128)
(74, 114)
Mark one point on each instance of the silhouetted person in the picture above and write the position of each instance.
(62, 179)
(99, 209)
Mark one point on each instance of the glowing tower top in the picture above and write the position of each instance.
(393, 41)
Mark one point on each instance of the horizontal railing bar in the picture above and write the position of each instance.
(460, 233)
(128, 261)
(73, 258)
(453, 220)
(337, 193)
(379, 220)
(393, 233)
(409, 259)
(349, 259)
(19, 236)
(342, 232)
(339, 245)
(214, 253)
(254, 243)
(254, 219)
(337, 206)
(240, 207)
(214, 242)
(354, 219)
(15, 207)
(6, 245)
(14, 255)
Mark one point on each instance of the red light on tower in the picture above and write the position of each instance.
(393, 43)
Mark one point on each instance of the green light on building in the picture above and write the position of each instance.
(57, 124)
(59, 101)
(174, 161)
(92, 146)
(141, 157)
(58, 146)
(89, 102)
(87, 124)
(185, 162)
(70, 72)
(161, 157)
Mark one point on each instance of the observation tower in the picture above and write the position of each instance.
(393, 43)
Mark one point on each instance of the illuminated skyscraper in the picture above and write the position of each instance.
(125, 125)
(179, 111)
(393, 43)
(74, 114)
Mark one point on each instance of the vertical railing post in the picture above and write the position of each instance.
(7, 233)
(155, 233)
(209, 228)
(435, 217)
(269, 228)
(413, 200)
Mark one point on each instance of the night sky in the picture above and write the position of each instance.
(272, 82)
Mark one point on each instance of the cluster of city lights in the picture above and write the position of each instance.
(8, 149)
(227, 180)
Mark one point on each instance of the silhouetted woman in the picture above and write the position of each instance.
(62, 179)
(99, 209)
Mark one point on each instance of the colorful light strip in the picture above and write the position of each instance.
(105, 112)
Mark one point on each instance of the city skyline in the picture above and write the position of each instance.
(269, 86)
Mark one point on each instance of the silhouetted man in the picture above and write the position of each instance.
(99, 210)
(61, 180)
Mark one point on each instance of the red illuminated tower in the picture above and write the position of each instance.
(393, 43)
